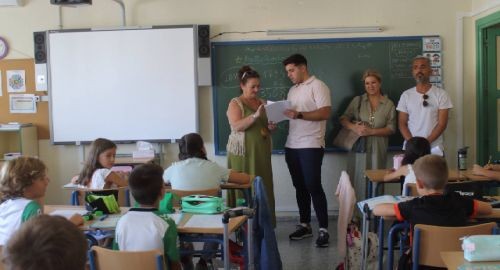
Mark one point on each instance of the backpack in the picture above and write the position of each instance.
(354, 244)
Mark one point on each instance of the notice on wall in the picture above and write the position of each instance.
(22, 103)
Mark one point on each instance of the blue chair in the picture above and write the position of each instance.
(103, 258)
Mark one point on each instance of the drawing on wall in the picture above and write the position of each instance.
(436, 72)
(16, 81)
(431, 44)
(22, 103)
(435, 58)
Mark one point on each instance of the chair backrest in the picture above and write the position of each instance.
(123, 193)
(429, 241)
(411, 189)
(104, 259)
(183, 193)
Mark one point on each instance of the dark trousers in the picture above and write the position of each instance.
(305, 168)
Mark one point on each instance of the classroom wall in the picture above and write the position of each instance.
(398, 17)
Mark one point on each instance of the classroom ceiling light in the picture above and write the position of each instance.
(326, 30)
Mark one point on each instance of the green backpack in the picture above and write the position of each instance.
(105, 203)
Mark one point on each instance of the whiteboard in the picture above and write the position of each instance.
(123, 85)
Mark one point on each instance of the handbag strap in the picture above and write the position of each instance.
(359, 107)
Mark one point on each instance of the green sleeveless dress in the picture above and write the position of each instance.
(257, 158)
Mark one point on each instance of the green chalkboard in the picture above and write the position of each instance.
(340, 63)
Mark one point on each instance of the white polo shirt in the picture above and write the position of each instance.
(422, 120)
(13, 213)
(305, 97)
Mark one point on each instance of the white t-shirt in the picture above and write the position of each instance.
(305, 97)
(422, 120)
(195, 174)
(409, 179)
(99, 178)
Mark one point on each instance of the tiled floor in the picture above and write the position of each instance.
(303, 254)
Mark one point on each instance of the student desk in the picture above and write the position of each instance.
(245, 188)
(454, 259)
(494, 216)
(234, 223)
(375, 178)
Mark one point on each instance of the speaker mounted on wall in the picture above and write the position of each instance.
(203, 40)
(71, 2)
(40, 45)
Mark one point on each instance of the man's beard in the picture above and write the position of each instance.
(420, 78)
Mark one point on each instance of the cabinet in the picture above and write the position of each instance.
(23, 139)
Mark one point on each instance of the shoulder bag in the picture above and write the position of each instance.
(349, 140)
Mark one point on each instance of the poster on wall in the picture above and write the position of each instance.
(16, 81)
(22, 103)
(435, 58)
(431, 44)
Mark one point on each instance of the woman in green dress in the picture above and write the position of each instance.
(249, 145)
(377, 121)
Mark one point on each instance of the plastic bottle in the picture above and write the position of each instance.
(462, 158)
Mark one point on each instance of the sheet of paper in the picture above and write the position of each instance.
(67, 213)
(275, 110)
(108, 223)
(73, 186)
(372, 202)
(204, 221)
(176, 217)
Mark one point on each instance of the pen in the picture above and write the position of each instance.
(103, 217)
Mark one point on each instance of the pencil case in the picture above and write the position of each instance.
(479, 248)
(201, 204)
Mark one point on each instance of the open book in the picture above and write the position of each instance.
(372, 202)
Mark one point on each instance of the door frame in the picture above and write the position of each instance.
(481, 102)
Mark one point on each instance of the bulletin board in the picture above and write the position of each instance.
(41, 118)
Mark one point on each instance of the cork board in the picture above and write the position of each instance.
(41, 118)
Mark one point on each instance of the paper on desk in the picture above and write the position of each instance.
(176, 217)
(204, 221)
(74, 186)
(67, 213)
(275, 110)
(107, 223)
(372, 202)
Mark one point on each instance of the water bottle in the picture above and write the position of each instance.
(462, 158)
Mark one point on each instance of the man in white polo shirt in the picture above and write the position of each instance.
(423, 109)
(304, 148)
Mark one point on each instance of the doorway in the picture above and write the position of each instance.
(488, 88)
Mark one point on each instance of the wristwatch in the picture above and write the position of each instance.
(300, 115)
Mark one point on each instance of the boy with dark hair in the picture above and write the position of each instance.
(434, 207)
(311, 107)
(144, 228)
(46, 242)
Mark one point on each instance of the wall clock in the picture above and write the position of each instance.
(4, 48)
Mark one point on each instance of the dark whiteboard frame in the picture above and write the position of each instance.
(160, 81)
(299, 41)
